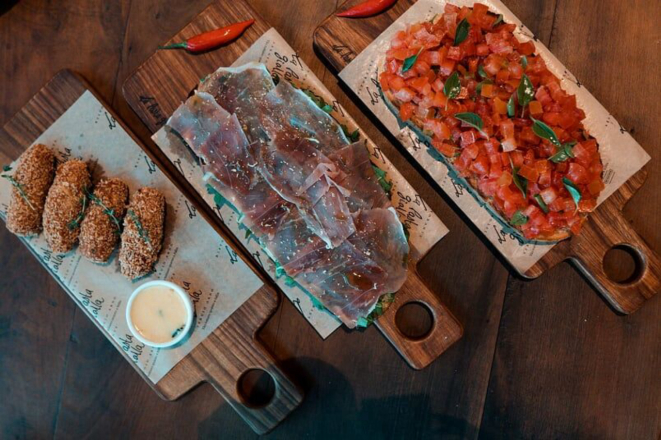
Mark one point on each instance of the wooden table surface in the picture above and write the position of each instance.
(539, 359)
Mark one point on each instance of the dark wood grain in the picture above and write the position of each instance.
(231, 350)
(339, 40)
(155, 92)
(556, 375)
(592, 375)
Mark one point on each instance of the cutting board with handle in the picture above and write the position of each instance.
(232, 349)
(340, 40)
(159, 86)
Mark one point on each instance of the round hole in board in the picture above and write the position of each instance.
(414, 320)
(623, 264)
(256, 388)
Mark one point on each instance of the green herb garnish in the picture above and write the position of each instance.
(520, 181)
(519, 219)
(380, 307)
(218, 198)
(75, 223)
(471, 119)
(482, 72)
(452, 86)
(564, 152)
(353, 136)
(511, 107)
(499, 20)
(545, 132)
(410, 61)
(318, 100)
(107, 211)
(573, 190)
(525, 93)
(381, 178)
(19, 187)
(462, 31)
(138, 224)
(177, 331)
(541, 203)
(524, 62)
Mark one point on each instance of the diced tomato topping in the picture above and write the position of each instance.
(596, 186)
(578, 174)
(528, 173)
(406, 111)
(535, 108)
(490, 66)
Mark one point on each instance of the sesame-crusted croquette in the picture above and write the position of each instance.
(142, 237)
(31, 180)
(65, 205)
(100, 229)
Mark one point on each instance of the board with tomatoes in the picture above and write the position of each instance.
(498, 117)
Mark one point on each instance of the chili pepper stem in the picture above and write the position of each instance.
(183, 45)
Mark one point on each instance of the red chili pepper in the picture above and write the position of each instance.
(212, 39)
(368, 8)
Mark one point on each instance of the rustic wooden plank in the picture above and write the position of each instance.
(230, 350)
(595, 374)
(339, 40)
(155, 92)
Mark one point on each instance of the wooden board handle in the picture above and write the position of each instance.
(224, 374)
(605, 229)
(444, 332)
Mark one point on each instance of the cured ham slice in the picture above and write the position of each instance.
(311, 199)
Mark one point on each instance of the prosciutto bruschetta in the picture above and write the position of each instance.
(493, 112)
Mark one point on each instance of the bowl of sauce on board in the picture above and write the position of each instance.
(160, 314)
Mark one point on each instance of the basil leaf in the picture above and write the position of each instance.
(410, 61)
(511, 107)
(452, 86)
(462, 31)
(519, 219)
(560, 156)
(524, 62)
(499, 20)
(541, 203)
(471, 119)
(6, 168)
(545, 132)
(526, 92)
(564, 152)
(478, 88)
(520, 182)
(482, 72)
(573, 190)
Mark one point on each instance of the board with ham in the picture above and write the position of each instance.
(260, 141)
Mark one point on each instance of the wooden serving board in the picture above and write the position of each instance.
(159, 86)
(340, 40)
(230, 350)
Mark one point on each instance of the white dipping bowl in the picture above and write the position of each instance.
(188, 304)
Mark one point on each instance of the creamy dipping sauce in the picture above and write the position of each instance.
(159, 314)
